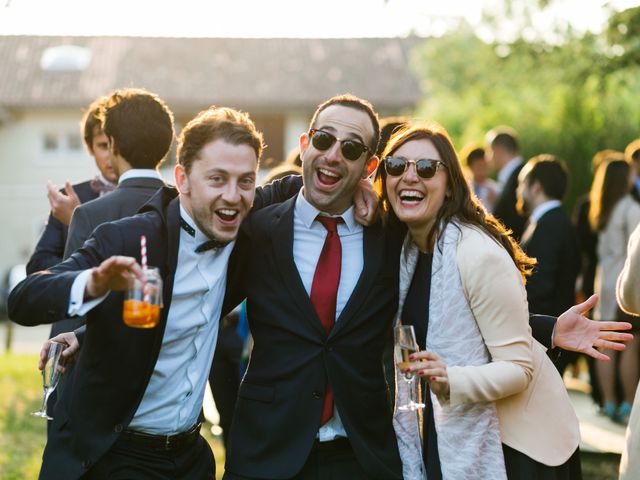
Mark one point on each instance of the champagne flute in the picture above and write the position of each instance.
(50, 375)
(404, 345)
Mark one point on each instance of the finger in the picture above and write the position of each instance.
(424, 355)
(587, 305)
(614, 325)
(437, 379)
(592, 352)
(616, 336)
(609, 345)
(44, 354)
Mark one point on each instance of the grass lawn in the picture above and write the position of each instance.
(22, 436)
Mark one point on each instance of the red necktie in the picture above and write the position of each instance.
(324, 291)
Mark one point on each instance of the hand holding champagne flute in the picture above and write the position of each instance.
(50, 375)
(405, 345)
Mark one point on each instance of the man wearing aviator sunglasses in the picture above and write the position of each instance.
(313, 402)
(350, 149)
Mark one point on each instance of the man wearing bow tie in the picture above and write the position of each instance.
(132, 408)
(50, 247)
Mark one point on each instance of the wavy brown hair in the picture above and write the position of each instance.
(461, 205)
(610, 184)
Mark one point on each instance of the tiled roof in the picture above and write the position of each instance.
(194, 72)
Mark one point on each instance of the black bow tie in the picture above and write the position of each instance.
(210, 245)
(98, 186)
(205, 246)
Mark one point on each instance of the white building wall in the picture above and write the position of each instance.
(25, 168)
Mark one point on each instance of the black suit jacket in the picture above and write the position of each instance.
(280, 400)
(123, 202)
(116, 362)
(552, 241)
(505, 208)
(128, 197)
(50, 247)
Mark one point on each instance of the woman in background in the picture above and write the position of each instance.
(613, 215)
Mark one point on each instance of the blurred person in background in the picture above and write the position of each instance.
(485, 188)
(588, 244)
(550, 238)
(504, 152)
(614, 214)
(50, 247)
(388, 126)
(632, 155)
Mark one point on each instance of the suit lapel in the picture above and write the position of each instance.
(168, 271)
(282, 229)
(373, 254)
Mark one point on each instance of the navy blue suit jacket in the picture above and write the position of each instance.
(50, 247)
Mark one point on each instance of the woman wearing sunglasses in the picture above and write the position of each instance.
(495, 405)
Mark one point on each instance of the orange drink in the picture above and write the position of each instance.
(143, 300)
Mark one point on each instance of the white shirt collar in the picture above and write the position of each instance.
(308, 213)
(139, 173)
(543, 208)
(506, 171)
(104, 180)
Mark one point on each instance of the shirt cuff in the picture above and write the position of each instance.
(77, 306)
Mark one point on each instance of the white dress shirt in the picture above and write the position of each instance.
(308, 240)
(173, 398)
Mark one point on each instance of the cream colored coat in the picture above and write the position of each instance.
(539, 421)
(628, 293)
(534, 411)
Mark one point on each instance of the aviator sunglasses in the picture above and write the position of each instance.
(425, 167)
(351, 149)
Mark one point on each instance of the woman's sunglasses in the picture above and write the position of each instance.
(351, 149)
(425, 167)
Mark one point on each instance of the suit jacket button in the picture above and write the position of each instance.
(86, 464)
(317, 395)
(118, 428)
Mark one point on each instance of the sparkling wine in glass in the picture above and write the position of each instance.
(50, 375)
(404, 345)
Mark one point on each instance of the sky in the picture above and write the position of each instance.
(275, 18)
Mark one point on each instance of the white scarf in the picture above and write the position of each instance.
(469, 443)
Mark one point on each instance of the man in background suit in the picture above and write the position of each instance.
(139, 129)
(504, 152)
(322, 291)
(549, 237)
(50, 247)
(132, 407)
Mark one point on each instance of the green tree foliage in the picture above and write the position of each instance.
(570, 99)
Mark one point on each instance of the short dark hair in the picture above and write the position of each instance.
(351, 101)
(140, 124)
(388, 126)
(550, 172)
(215, 123)
(91, 121)
(505, 137)
(474, 155)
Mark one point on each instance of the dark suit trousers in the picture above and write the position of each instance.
(327, 461)
(126, 462)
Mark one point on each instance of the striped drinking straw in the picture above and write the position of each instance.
(143, 260)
